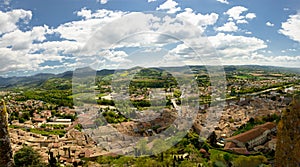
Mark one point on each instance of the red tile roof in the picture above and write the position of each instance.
(253, 133)
(229, 145)
(39, 119)
(240, 150)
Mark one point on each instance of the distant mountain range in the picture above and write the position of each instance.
(39, 79)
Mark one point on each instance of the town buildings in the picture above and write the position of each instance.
(246, 141)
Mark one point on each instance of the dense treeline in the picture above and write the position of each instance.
(57, 97)
(153, 78)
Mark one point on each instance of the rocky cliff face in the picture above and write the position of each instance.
(288, 143)
(6, 159)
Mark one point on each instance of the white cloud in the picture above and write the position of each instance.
(236, 17)
(151, 1)
(235, 12)
(20, 60)
(236, 48)
(99, 14)
(250, 16)
(283, 60)
(245, 50)
(223, 1)
(6, 2)
(102, 1)
(228, 27)
(293, 50)
(82, 30)
(152, 50)
(198, 19)
(225, 41)
(85, 13)
(230, 49)
(82, 41)
(8, 20)
(115, 56)
(290, 28)
(242, 21)
(20, 52)
(170, 6)
(28, 50)
(19, 40)
(269, 24)
(56, 47)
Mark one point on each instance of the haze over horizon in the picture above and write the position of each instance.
(57, 36)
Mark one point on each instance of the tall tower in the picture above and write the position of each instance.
(6, 159)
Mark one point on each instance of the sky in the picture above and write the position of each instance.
(53, 36)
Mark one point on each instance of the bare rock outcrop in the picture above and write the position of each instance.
(5, 148)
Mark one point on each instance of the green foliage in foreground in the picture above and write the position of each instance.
(221, 158)
(189, 144)
(27, 157)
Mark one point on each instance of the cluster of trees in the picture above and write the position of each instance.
(153, 78)
(141, 103)
(222, 159)
(257, 121)
(114, 117)
(45, 132)
(27, 157)
(59, 132)
(57, 84)
(203, 80)
(22, 118)
(56, 97)
(105, 102)
(53, 126)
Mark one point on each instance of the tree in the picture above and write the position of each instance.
(251, 120)
(78, 127)
(53, 161)
(27, 157)
(43, 126)
(142, 147)
(159, 146)
(212, 139)
(228, 158)
(252, 161)
(232, 91)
